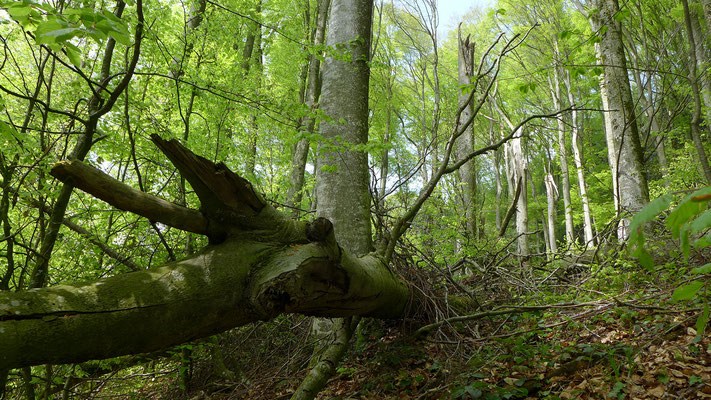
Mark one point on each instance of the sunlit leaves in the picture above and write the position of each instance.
(686, 292)
(702, 321)
(623, 15)
(704, 269)
(645, 215)
(524, 88)
(686, 210)
(57, 29)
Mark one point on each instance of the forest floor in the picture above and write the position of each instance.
(629, 342)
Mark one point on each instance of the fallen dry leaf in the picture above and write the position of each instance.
(657, 391)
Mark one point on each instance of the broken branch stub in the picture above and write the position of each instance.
(217, 187)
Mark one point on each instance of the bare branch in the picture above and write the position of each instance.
(124, 197)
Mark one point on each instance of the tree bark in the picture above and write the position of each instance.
(252, 54)
(342, 176)
(465, 142)
(496, 159)
(518, 172)
(648, 104)
(695, 91)
(624, 149)
(318, 375)
(578, 158)
(702, 63)
(551, 198)
(556, 94)
(294, 193)
(342, 181)
(521, 171)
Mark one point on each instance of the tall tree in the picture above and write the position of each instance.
(625, 155)
(556, 95)
(98, 106)
(342, 182)
(307, 123)
(695, 91)
(465, 143)
(518, 175)
(578, 159)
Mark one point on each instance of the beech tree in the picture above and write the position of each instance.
(625, 154)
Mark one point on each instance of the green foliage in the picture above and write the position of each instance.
(689, 217)
(57, 29)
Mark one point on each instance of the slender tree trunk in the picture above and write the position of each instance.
(294, 193)
(252, 55)
(518, 168)
(695, 91)
(552, 200)
(194, 19)
(385, 157)
(496, 159)
(556, 95)
(596, 25)
(465, 143)
(702, 62)
(434, 163)
(707, 14)
(578, 158)
(540, 219)
(521, 171)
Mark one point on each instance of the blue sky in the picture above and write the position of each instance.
(451, 11)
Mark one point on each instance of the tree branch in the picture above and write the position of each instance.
(124, 197)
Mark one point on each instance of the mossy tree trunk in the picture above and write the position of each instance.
(261, 264)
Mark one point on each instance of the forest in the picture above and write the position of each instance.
(355, 199)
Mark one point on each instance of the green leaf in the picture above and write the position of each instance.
(622, 15)
(645, 259)
(688, 291)
(704, 241)
(702, 321)
(120, 37)
(704, 269)
(684, 239)
(686, 209)
(473, 392)
(104, 26)
(59, 35)
(19, 10)
(118, 21)
(74, 54)
(647, 214)
(701, 222)
(96, 35)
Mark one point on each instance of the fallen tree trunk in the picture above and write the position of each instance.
(265, 264)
